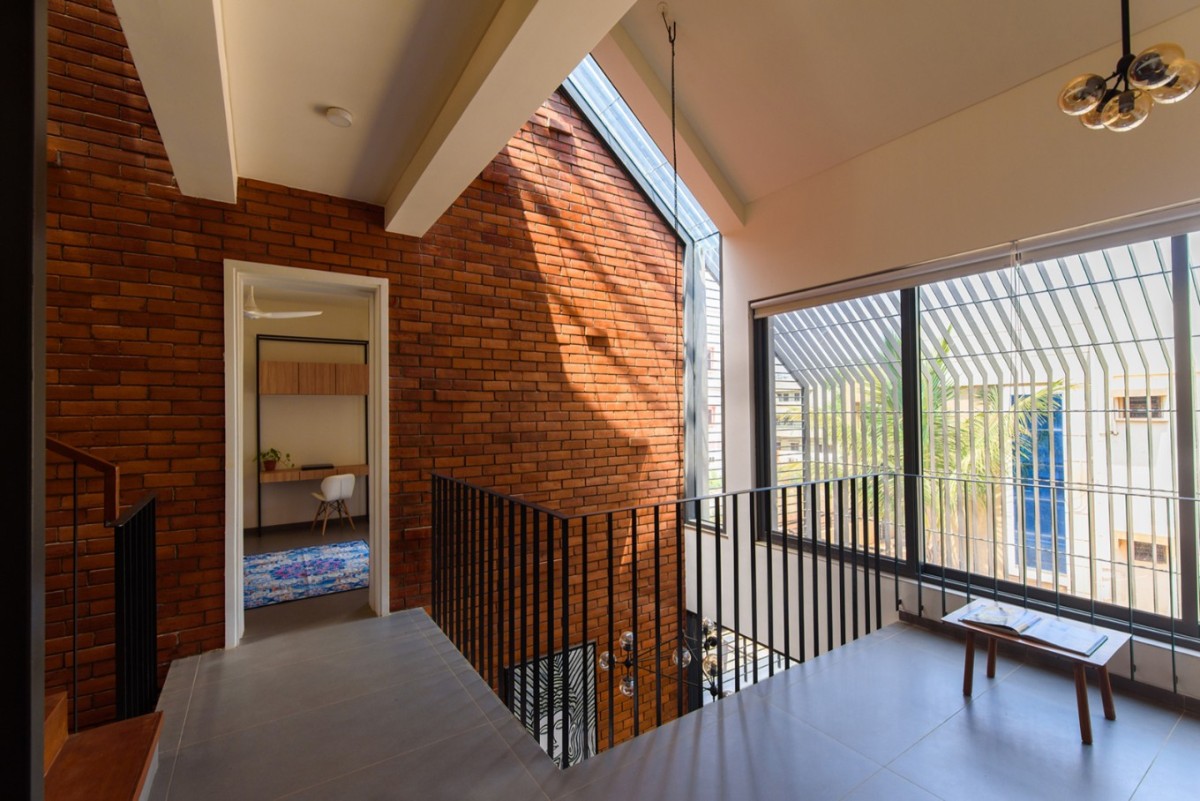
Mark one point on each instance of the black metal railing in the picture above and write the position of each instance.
(135, 575)
(136, 609)
(537, 601)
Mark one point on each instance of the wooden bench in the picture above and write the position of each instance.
(1098, 659)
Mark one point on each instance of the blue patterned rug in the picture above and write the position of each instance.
(273, 578)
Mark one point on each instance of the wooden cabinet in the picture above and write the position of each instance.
(312, 378)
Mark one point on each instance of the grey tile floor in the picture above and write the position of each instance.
(386, 708)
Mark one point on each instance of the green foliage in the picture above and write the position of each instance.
(273, 455)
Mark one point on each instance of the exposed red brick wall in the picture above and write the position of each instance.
(534, 336)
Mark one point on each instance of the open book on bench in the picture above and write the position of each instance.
(1029, 625)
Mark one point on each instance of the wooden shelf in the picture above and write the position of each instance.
(312, 378)
(281, 475)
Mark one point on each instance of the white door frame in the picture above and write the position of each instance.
(238, 276)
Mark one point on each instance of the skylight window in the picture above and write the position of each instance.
(603, 106)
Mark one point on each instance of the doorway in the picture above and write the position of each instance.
(363, 302)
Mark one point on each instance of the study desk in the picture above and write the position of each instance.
(1098, 659)
(280, 475)
(289, 474)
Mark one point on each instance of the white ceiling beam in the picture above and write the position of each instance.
(527, 51)
(179, 50)
(650, 101)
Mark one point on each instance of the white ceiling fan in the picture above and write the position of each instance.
(252, 311)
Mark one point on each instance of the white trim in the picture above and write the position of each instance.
(1094, 236)
(238, 276)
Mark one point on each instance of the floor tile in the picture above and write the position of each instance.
(1016, 743)
(1173, 775)
(436, 772)
(767, 755)
(309, 747)
(897, 700)
(887, 786)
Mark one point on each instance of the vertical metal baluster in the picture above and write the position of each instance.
(699, 565)
(437, 544)
(787, 597)
(828, 567)
(589, 666)
(460, 544)
(841, 485)
(867, 558)
(879, 529)
(737, 601)
(680, 608)
(473, 575)
(657, 621)
(800, 567)
(491, 589)
(537, 617)
(550, 633)
(754, 514)
(720, 587)
(816, 575)
(853, 561)
(612, 644)
(769, 523)
(525, 612)
(633, 654)
(566, 643)
(512, 599)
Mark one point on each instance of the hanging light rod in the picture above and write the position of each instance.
(1158, 74)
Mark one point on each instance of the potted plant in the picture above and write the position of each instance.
(271, 457)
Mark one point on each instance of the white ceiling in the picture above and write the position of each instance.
(770, 91)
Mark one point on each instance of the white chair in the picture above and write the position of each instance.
(335, 491)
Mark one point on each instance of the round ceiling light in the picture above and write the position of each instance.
(339, 117)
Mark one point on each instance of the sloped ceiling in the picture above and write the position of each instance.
(770, 92)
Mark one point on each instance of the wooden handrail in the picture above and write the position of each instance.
(111, 473)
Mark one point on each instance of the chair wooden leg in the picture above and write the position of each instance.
(325, 520)
(969, 664)
(320, 508)
(1085, 720)
(346, 510)
(1110, 710)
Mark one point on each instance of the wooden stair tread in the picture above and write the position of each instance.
(106, 763)
(55, 728)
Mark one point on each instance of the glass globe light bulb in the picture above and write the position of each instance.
(1187, 77)
(627, 641)
(1155, 66)
(682, 657)
(1082, 94)
(1092, 120)
(606, 661)
(711, 666)
(1126, 110)
(627, 686)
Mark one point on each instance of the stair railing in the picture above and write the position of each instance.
(112, 481)
(134, 580)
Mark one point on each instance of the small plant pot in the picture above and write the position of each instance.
(269, 464)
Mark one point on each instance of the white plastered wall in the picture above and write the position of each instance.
(1005, 169)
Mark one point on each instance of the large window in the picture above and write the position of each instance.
(1050, 399)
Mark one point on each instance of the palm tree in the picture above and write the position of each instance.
(970, 441)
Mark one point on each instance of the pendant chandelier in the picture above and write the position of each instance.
(1122, 101)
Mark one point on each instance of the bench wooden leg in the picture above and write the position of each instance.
(991, 657)
(969, 667)
(1085, 720)
(1110, 710)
